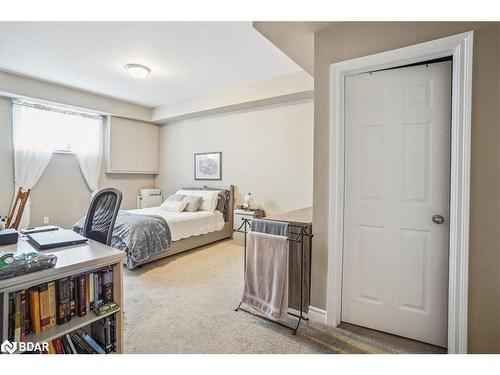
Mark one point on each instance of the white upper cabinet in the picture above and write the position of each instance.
(132, 146)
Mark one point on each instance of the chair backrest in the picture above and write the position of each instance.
(17, 209)
(101, 216)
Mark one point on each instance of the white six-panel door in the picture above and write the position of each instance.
(397, 168)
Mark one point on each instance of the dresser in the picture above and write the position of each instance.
(302, 218)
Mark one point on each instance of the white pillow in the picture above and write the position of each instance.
(174, 206)
(209, 198)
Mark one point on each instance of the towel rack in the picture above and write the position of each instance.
(296, 236)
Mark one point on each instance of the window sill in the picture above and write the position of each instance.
(64, 152)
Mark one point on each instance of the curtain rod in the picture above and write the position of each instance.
(46, 107)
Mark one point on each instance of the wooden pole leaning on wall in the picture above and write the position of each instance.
(17, 209)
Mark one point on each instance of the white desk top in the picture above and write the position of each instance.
(70, 260)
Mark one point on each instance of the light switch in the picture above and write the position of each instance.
(46, 219)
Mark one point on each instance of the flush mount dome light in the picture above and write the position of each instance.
(137, 70)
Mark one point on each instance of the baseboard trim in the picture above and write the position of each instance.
(316, 314)
(297, 312)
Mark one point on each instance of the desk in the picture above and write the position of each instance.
(71, 260)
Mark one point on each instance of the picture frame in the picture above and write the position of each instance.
(208, 166)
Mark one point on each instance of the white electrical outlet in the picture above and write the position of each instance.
(46, 220)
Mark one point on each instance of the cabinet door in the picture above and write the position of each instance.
(123, 146)
(147, 147)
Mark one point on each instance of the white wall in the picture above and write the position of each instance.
(266, 151)
(17, 85)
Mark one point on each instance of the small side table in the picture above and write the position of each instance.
(239, 215)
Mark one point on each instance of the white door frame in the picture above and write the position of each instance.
(460, 48)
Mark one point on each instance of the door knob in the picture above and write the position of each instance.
(438, 219)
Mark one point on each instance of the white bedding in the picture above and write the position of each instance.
(186, 224)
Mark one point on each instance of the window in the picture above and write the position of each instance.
(56, 129)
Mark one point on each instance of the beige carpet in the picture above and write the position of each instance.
(185, 304)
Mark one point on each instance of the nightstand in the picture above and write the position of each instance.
(240, 214)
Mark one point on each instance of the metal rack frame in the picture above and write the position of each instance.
(300, 234)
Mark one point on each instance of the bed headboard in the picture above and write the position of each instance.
(226, 200)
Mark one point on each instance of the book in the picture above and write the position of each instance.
(107, 288)
(101, 332)
(113, 331)
(70, 343)
(52, 303)
(51, 349)
(65, 345)
(43, 291)
(81, 295)
(81, 346)
(73, 295)
(90, 341)
(10, 333)
(99, 289)
(56, 343)
(96, 289)
(25, 314)
(34, 297)
(91, 294)
(63, 300)
(17, 317)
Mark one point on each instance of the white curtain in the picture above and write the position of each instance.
(38, 132)
(31, 153)
(89, 155)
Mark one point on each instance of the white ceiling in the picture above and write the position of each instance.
(187, 59)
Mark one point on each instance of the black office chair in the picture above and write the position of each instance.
(101, 216)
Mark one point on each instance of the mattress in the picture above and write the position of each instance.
(186, 224)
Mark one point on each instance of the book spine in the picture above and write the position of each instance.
(17, 317)
(73, 295)
(10, 332)
(52, 303)
(81, 297)
(91, 291)
(57, 348)
(63, 300)
(51, 350)
(96, 290)
(99, 289)
(70, 343)
(44, 307)
(35, 310)
(26, 314)
(108, 285)
(65, 345)
(101, 332)
(113, 332)
(90, 342)
(81, 344)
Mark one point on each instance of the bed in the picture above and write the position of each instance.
(154, 233)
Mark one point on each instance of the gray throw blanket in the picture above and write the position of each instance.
(266, 275)
(139, 236)
(277, 228)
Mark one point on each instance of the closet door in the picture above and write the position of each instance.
(395, 269)
(132, 146)
(147, 147)
(122, 146)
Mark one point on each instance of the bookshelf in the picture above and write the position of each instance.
(71, 260)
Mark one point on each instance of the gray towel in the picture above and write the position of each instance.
(277, 228)
(266, 276)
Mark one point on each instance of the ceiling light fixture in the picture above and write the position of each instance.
(137, 70)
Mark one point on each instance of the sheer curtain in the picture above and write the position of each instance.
(38, 131)
(89, 153)
(32, 151)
